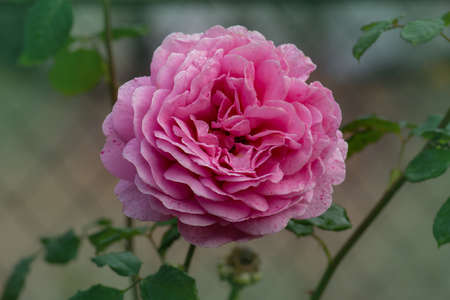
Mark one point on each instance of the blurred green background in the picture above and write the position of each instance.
(51, 177)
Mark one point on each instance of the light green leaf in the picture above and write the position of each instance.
(299, 227)
(104, 238)
(371, 32)
(441, 225)
(77, 71)
(430, 163)
(422, 31)
(47, 29)
(127, 32)
(169, 283)
(16, 281)
(367, 130)
(446, 18)
(62, 248)
(169, 237)
(123, 263)
(334, 219)
(98, 292)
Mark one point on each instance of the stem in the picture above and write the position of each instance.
(109, 51)
(323, 246)
(133, 284)
(234, 293)
(402, 151)
(154, 245)
(188, 259)
(113, 92)
(373, 214)
(445, 37)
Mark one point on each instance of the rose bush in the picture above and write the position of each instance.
(225, 135)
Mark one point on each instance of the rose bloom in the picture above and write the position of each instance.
(226, 136)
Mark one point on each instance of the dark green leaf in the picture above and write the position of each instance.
(123, 263)
(62, 248)
(98, 292)
(169, 237)
(110, 235)
(422, 31)
(169, 283)
(334, 219)
(362, 132)
(441, 226)
(300, 228)
(47, 29)
(77, 71)
(431, 162)
(446, 18)
(127, 32)
(16, 281)
(103, 222)
(371, 32)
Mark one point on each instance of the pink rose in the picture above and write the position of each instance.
(225, 135)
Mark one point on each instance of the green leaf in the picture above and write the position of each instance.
(76, 72)
(103, 222)
(123, 263)
(334, 219)
(446, 18)
(16, 281)
(127, 32)
(367, 130)
(169, 283)
(429, 163)
(47, 29)
(422, 31)
(441, 225)
(376, 24)
(299, 227)
(106, 237)
(98, 292)
(169, 237)
(62, 248)
(371, 32)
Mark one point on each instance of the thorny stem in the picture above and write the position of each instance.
(323, 246)
(188, 259)
(113, 92)
(373, 214)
